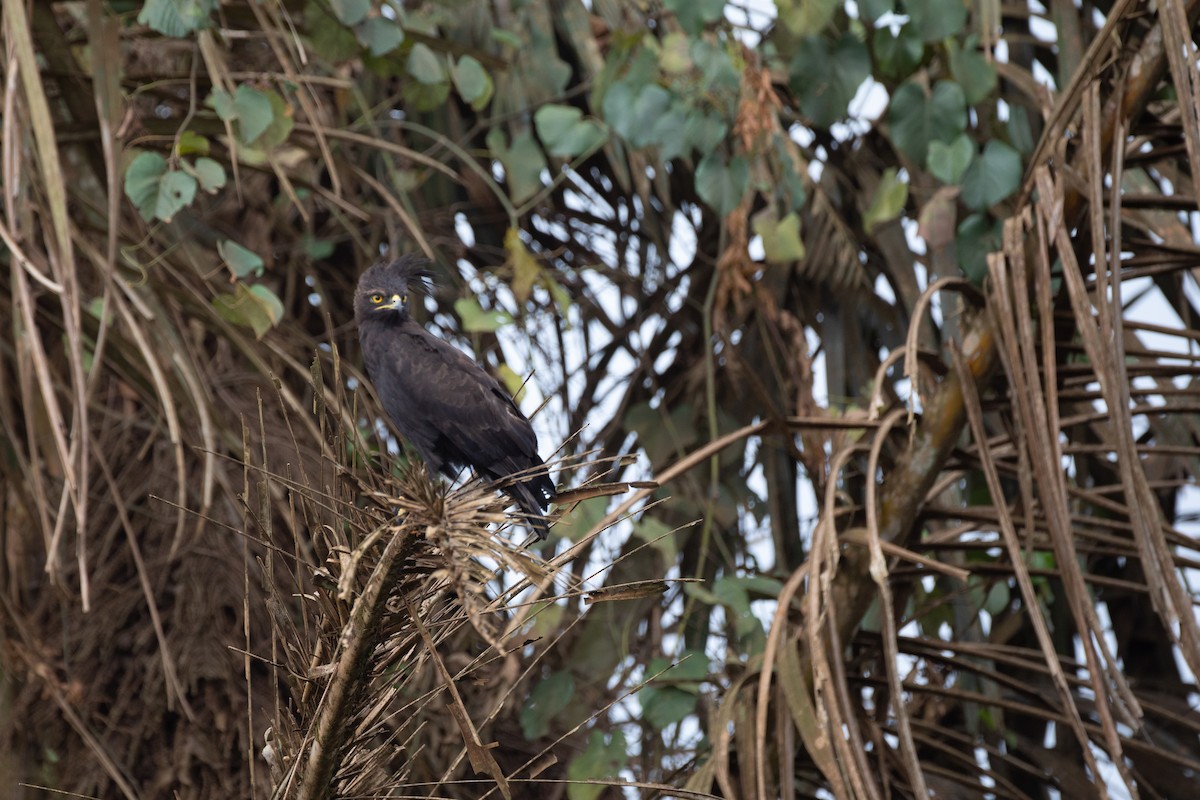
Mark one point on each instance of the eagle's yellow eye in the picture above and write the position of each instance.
(404, 300)
(377, 298)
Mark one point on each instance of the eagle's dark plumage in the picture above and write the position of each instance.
(445, 405)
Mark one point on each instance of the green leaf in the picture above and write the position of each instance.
(209, 173)
(176, 18)
(1020, 134)
(948, 162)
(142, 178)
(191, 143)
(546, 700)
(693, 15)
(872, 10)
(937, 19)
(158, 192)
(899, 54)
(974, 73)
(827, 75)
(734, 593)
(379, 35)
(583, 518)
(257, 308)
(675, 57)
(666, 705)
(564, 131)
(328, 37)
(240, 260)
(317, 249)
(632, 110)
(916, 120)
(978, 235)
(424, 65)
(270, 301)
(604, 758)
(350, 12)
(658, 535)
(253, 111)
(720, 182)
(222, 102)
(806, 17)
(476, 320)
(993, 176)
(523, 163)
(282, 122)
(780, 237)
(473, 83)
(890, 196)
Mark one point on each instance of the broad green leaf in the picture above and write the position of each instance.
(282, 122)
(603, 758)
(209, 173)
(242, 262)
(974, 73)
(257, 308)
(658, 535)
(734, 595)
(350, 12)
(505, 37)
(475, 319)
(424, 65)
(872, 10)
(827, 75)
(978, 235)
(704, 131)
(693, 15)
(222, 102)
(253, 111)
(917, 119)
(270, 301)
(176, 18)
(716, 67)
(890, 196)
(780, 237)
(632, 112)
(331, 39)
(473, 83)
(948, 162)
(937, 19)
(675, 57)
(524, 266)
(379, 35)
(992, 177)
(720, 182)
(898, 54)
(157, 192)
(317, 249)
(523, 163)
(142, 178)
(546, 700)
(583, 518)
(806, 17)
(192, 143)
(666, 705)
(564, 132)
(1020, 134)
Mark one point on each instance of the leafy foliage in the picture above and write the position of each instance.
(908, 348)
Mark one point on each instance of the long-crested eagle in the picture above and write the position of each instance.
(448, 408)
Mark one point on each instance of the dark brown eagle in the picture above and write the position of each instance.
(453, 412)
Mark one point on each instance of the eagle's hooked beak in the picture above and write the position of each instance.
(395, 302)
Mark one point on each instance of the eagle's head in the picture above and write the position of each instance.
(383, 290)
